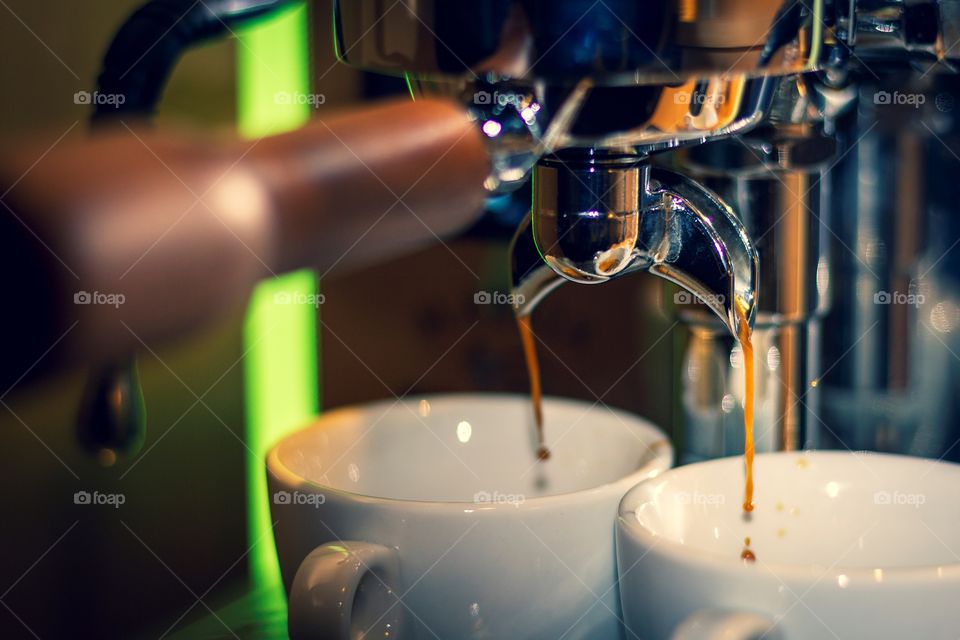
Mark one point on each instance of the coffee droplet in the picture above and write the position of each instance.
(543, 453)
(747, 555)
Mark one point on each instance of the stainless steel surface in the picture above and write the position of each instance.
(523, 123)
(540, 77)
(543, 76)
(778, 184)
(710, 390)
(777, 170)
(644, 219)
(584, 97)
(623, 42)
(894, 318)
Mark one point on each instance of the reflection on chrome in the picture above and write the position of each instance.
(424, 408)
(464, 431)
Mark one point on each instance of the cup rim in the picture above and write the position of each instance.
(694, 556)
(659, 446)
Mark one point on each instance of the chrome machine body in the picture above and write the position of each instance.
(730, 147)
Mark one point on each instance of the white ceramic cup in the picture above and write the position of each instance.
(847, 546)
(431, 518)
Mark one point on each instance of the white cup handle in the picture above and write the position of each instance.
(345, 590)
(719, 624)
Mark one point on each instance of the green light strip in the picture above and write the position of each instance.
(408, 78)
(280, 333)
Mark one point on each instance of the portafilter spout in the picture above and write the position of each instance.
(599, 215)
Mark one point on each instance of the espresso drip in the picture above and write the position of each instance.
(533, 371)
(746, 346)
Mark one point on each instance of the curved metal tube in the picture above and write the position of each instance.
(136, 66)
(149, 44)
(644, 219)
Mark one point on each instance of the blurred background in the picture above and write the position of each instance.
(394, 329)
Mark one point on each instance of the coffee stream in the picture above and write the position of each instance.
(533, 370)
(743, 335)
(746, 346)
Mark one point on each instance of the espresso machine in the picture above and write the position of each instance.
(782, 164)
(774, 155)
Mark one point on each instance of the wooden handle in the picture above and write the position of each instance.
(166, 234)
